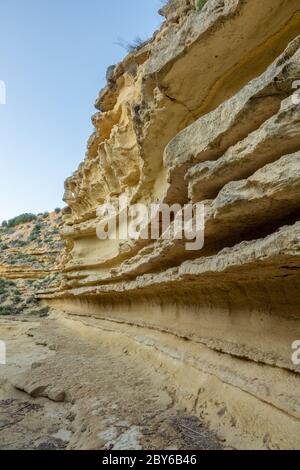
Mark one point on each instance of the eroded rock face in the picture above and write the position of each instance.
(206, 112)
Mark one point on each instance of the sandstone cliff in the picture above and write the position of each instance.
(204, 112)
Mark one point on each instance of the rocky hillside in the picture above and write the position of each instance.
(30, 248)
(205, 112)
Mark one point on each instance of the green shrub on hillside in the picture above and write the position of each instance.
(3, 246)
(35, 232)
(20, 219)
(18, 243)
(40, 312)
(31, 301)
(8, 310)
(5, 283)
(37, 228)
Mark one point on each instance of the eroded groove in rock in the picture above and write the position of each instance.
(277, 136)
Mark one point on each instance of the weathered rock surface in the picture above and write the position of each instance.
(70, 398)
(206, 112)
(276, 136)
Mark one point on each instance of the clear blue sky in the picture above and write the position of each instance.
(53, 59)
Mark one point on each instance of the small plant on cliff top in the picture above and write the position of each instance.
(200, 4)
(133, 46)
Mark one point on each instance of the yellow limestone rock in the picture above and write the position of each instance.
(207, 111)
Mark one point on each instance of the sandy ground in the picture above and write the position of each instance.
(65, 390)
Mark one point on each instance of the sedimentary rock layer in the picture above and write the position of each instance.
(207, 112)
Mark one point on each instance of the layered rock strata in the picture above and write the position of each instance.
(206, 112)
(29, 261)
(31, 250)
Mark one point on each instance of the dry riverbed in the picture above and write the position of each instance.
(71, 388)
